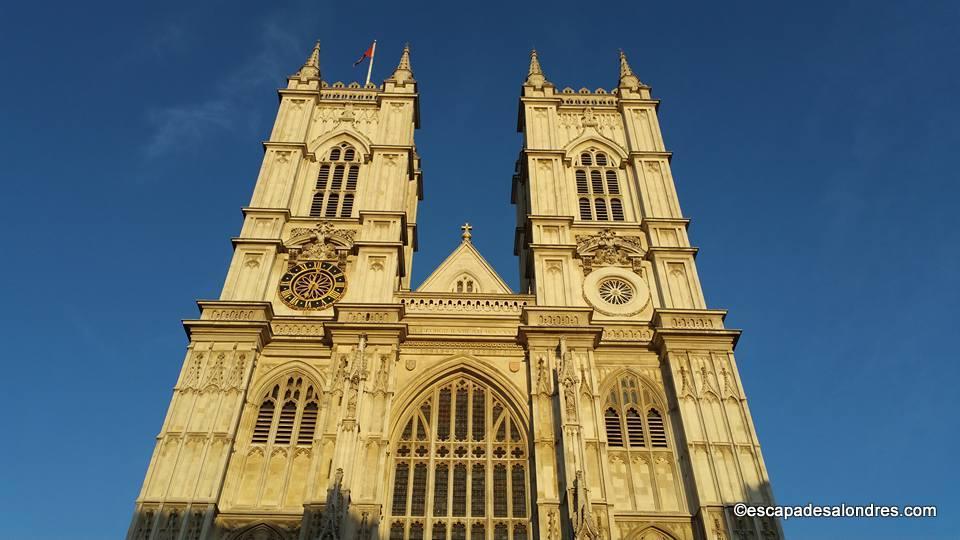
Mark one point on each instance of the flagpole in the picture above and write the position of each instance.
(373, 53)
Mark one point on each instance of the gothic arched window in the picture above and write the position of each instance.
(633, 416)
(460, 463)
(595, 175)
(466, 284)
(336, 183)
(288, 413)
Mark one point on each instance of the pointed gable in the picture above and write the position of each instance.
(465, 270)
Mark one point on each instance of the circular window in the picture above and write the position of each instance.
(615, 291)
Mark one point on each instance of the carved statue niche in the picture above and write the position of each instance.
(607, 249)
(322, 242)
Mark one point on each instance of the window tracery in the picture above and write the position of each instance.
(336, 186)
(598, 187)
(633, 417)
(288, 413)
(460, 467)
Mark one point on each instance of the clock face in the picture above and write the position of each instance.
(312, 285)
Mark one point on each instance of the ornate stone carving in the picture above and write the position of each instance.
(606, 248)
(584, 527)
(568, 378)
(381, 380)
(462, 305)
(627, 334)
(191, 379)
(544, 385)
(322, 242)
(560, 319)
(170, 527)
(333, 512)
(298, 329)
(145, 525)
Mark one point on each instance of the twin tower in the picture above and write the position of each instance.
(322, 397)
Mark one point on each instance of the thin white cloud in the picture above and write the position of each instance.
(179, 128)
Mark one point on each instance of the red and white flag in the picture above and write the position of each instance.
(366, 54)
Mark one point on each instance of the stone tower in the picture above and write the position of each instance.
(323, 398)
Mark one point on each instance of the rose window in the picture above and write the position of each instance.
(616, 291)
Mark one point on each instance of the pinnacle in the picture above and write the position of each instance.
(535, 74)
(311, 68)
(627, 78)
(403, 72)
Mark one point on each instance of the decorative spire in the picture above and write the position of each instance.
(311, 68)
(466, 236)
(404, 72)
(627, 78)
(535, 75)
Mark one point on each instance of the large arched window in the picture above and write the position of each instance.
(336, 183)
(598, 187)
(642, 462)
(288, 413)
(633, 417)
(460, 468)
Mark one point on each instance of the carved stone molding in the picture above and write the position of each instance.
(454, 304)
(627, 334)
(322, 242)
(689, 319)
(606, 248)
(298, 329)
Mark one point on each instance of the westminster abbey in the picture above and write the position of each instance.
(323, 396)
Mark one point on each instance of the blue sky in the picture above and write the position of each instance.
(815, 151)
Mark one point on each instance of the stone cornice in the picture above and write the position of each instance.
(700, 326)
(635, 154)
(244, 321)
(556, 321)
(654, 251)
(655, 220)
(237, 240)
(248, 210)
(287, 144)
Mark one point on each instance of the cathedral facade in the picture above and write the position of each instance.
(322, 397)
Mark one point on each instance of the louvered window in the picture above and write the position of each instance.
(658, 435)
(585, 212)
(308, 424)
(294, 421)
(616, 209)
(614, 432)
(634, 429)
(613, 187)
(597, 176)
(635, 423)
(601, 207)
(582, 182)
(288, 415)
(477, 451)
(336, 185)
(261, 432)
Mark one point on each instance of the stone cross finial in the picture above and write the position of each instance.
(466, 228)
